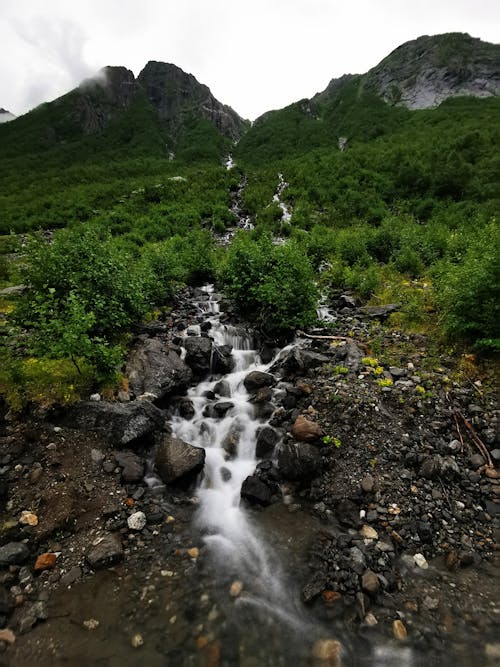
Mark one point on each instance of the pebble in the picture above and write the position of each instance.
(194, 552)
(136, 521)
(28, 519)
(370, 582)
(370, 619)
(367, 483)
(46, 561)
(95, 397)
(235, 589)
(51, 447)
(368, 533)
(91, 624)
(137, 641)
(420, 561)
(7, 636)
(328, 650)
(399, 630)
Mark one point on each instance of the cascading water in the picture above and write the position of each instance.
(228, 436)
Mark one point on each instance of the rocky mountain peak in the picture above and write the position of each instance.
(423, 72)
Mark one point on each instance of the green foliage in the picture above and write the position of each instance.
(273, 285)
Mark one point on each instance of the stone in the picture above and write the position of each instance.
(155, 368)
(328, 651)
(430, 603)
(132, 466)
(106, 550)
(258, 379)
(235, 589)
(370, 619)
(380, 312)
(122, 424)
(28, 519)
(255, 491)
(397, 372)
(222, 408)
(97, 456)
(136, 521)
(306, 430)
(298, 461)
(7, 636)
(71, 576)
(46, 561)
(420, 561)
(267, 438)
(222, 388)
(299, 360)
(368, 532)
(198, 354)
(178, 460)
(346, 301)
(13, 553)
(193, 553)
(222, 360)
(367, 483)
(399, 631)
(57, 508)
(186, 408)
(369, 582)
(137, 641)
(91, 624)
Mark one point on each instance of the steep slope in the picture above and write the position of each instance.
(419, 74)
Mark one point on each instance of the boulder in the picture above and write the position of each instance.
(222, 389)
(186, 408)
(122, 424)
(258, 379)
(222, 361)
(298, 360)
(13, 553)
(154, 368)
(306, 430)
(132, 466)
(379, 312)
(267, 438)
(298, 461)
(176, 460)
(106, 550)
(255, 491)
(198, 354)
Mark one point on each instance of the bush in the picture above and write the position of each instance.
(272, 284)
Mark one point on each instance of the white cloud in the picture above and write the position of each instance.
(253, 54)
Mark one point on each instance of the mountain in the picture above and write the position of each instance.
(6, 116)
(420, 74)
(163, 111)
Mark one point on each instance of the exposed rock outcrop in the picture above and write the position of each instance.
(155, 368)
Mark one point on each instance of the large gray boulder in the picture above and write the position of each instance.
(155, 368)
(122, 424)
(258, 379)
(178, 460)
(198, 354)
(299, 360)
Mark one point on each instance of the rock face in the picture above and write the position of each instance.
(177, 460)
(424, 72)
(173, 92)
(122, 424)
(154, 368)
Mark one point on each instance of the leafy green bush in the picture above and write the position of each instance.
(274, 285)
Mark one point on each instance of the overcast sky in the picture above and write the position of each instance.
(255, 55)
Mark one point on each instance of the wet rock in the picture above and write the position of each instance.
(218, 410)
(267, 438)
(328, 651)
(347, 513)
(46, 561)
(399, 630)
(71, 576)
(263, 395)
(222, 360)
(306, 430)
(198, 354)
(131, 465)
(255, 491)
(346, 301)
(136, 521)
(298, 461)
(232, 438)
(7, 636)
(368, 532)
(122, 424)
(369, 582)
(176, 460)
(13, 553)
(105, 551)
(222, 389)
(258, 379)
(236, 589)
(298, 360)
(186, 408)
(420, 561)
(156, 369)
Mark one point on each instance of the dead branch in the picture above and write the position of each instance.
(459, 432)
(477, 441)
(345, 338)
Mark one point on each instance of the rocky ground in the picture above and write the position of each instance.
(378, 487)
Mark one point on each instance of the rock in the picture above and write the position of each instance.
(95, 397)
(369, 582)
(155, 368)
(347, 513)
(46, 561)
(91, 624)
(367, 483)
(7, 636)
(136, 521)
(255, 491)
(430, 603)
(495, 455)
(186, 408)
(71, 576)
(106, 550)
(230, 442)
(263, 395)
(346, 301)
(222, 361)
(306, 430)
(97, 456)
(298, 461)
(57, 508)
(397, 372)
(267, 438)
(222, 389)
(137, 641)
(193, 553)
(328, 651)
(6, 602)
(28, 519)
(258, 379)
(420, 561)
(368, 533)
(176, 460)
(235, 589)
(298, 360)
(380, 312)
(122, 424)
(370, 619)
(13, 553)
(438, 466)
(131, 465)
(198, 354)
(399, 630)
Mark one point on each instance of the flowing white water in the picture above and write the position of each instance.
(230, 533)
(282, 184)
